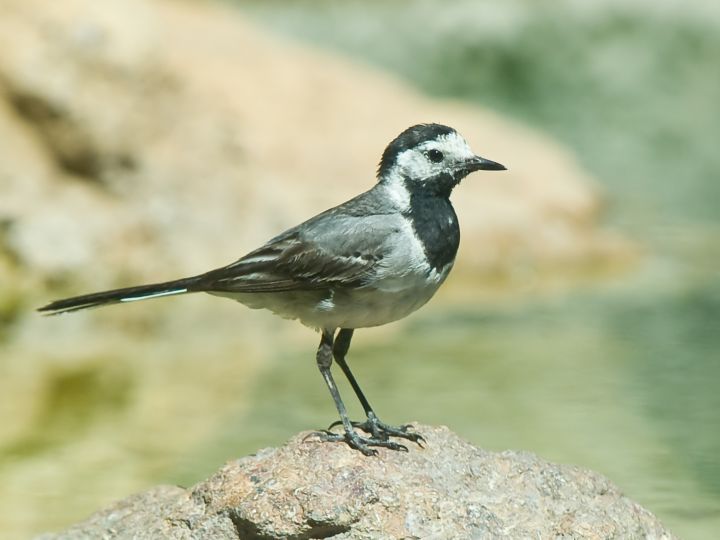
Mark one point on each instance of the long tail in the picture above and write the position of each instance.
(128, 294)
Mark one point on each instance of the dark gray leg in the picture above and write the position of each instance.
(373, 425)
(340, 349)
(324, 361)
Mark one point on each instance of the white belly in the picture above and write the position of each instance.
(386, 301)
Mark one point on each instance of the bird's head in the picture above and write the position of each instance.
(430, 158)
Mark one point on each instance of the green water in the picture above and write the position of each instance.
(622, 377)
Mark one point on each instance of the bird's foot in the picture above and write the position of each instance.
(382, 431)
(363, 444)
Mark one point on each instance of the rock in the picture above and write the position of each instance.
(448, 489)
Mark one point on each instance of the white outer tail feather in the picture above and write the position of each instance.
(153, 295)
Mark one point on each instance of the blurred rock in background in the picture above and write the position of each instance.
(143, 141)
(147, 136)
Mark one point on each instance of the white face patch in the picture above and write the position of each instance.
(417, 163)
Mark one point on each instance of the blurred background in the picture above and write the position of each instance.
(148, 140)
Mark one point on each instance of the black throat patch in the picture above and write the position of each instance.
(436, 226)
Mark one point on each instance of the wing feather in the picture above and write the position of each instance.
(345, 246)
(289, 264)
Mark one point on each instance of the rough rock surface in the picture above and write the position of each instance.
(449, 489)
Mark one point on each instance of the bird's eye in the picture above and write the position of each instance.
(436, 156)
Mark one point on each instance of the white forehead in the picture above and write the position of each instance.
(451, 144)
(414, 161)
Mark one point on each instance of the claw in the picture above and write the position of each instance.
(353, 440)
(383, 431)
(379, 432)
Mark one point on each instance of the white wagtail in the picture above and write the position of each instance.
(369, 261)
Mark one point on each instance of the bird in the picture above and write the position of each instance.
(369, 261)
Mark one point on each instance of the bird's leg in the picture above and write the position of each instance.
(373, 425)
(324, 361)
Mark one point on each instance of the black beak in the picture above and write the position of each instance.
(478, 163)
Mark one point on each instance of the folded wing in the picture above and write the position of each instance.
(308, 258)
